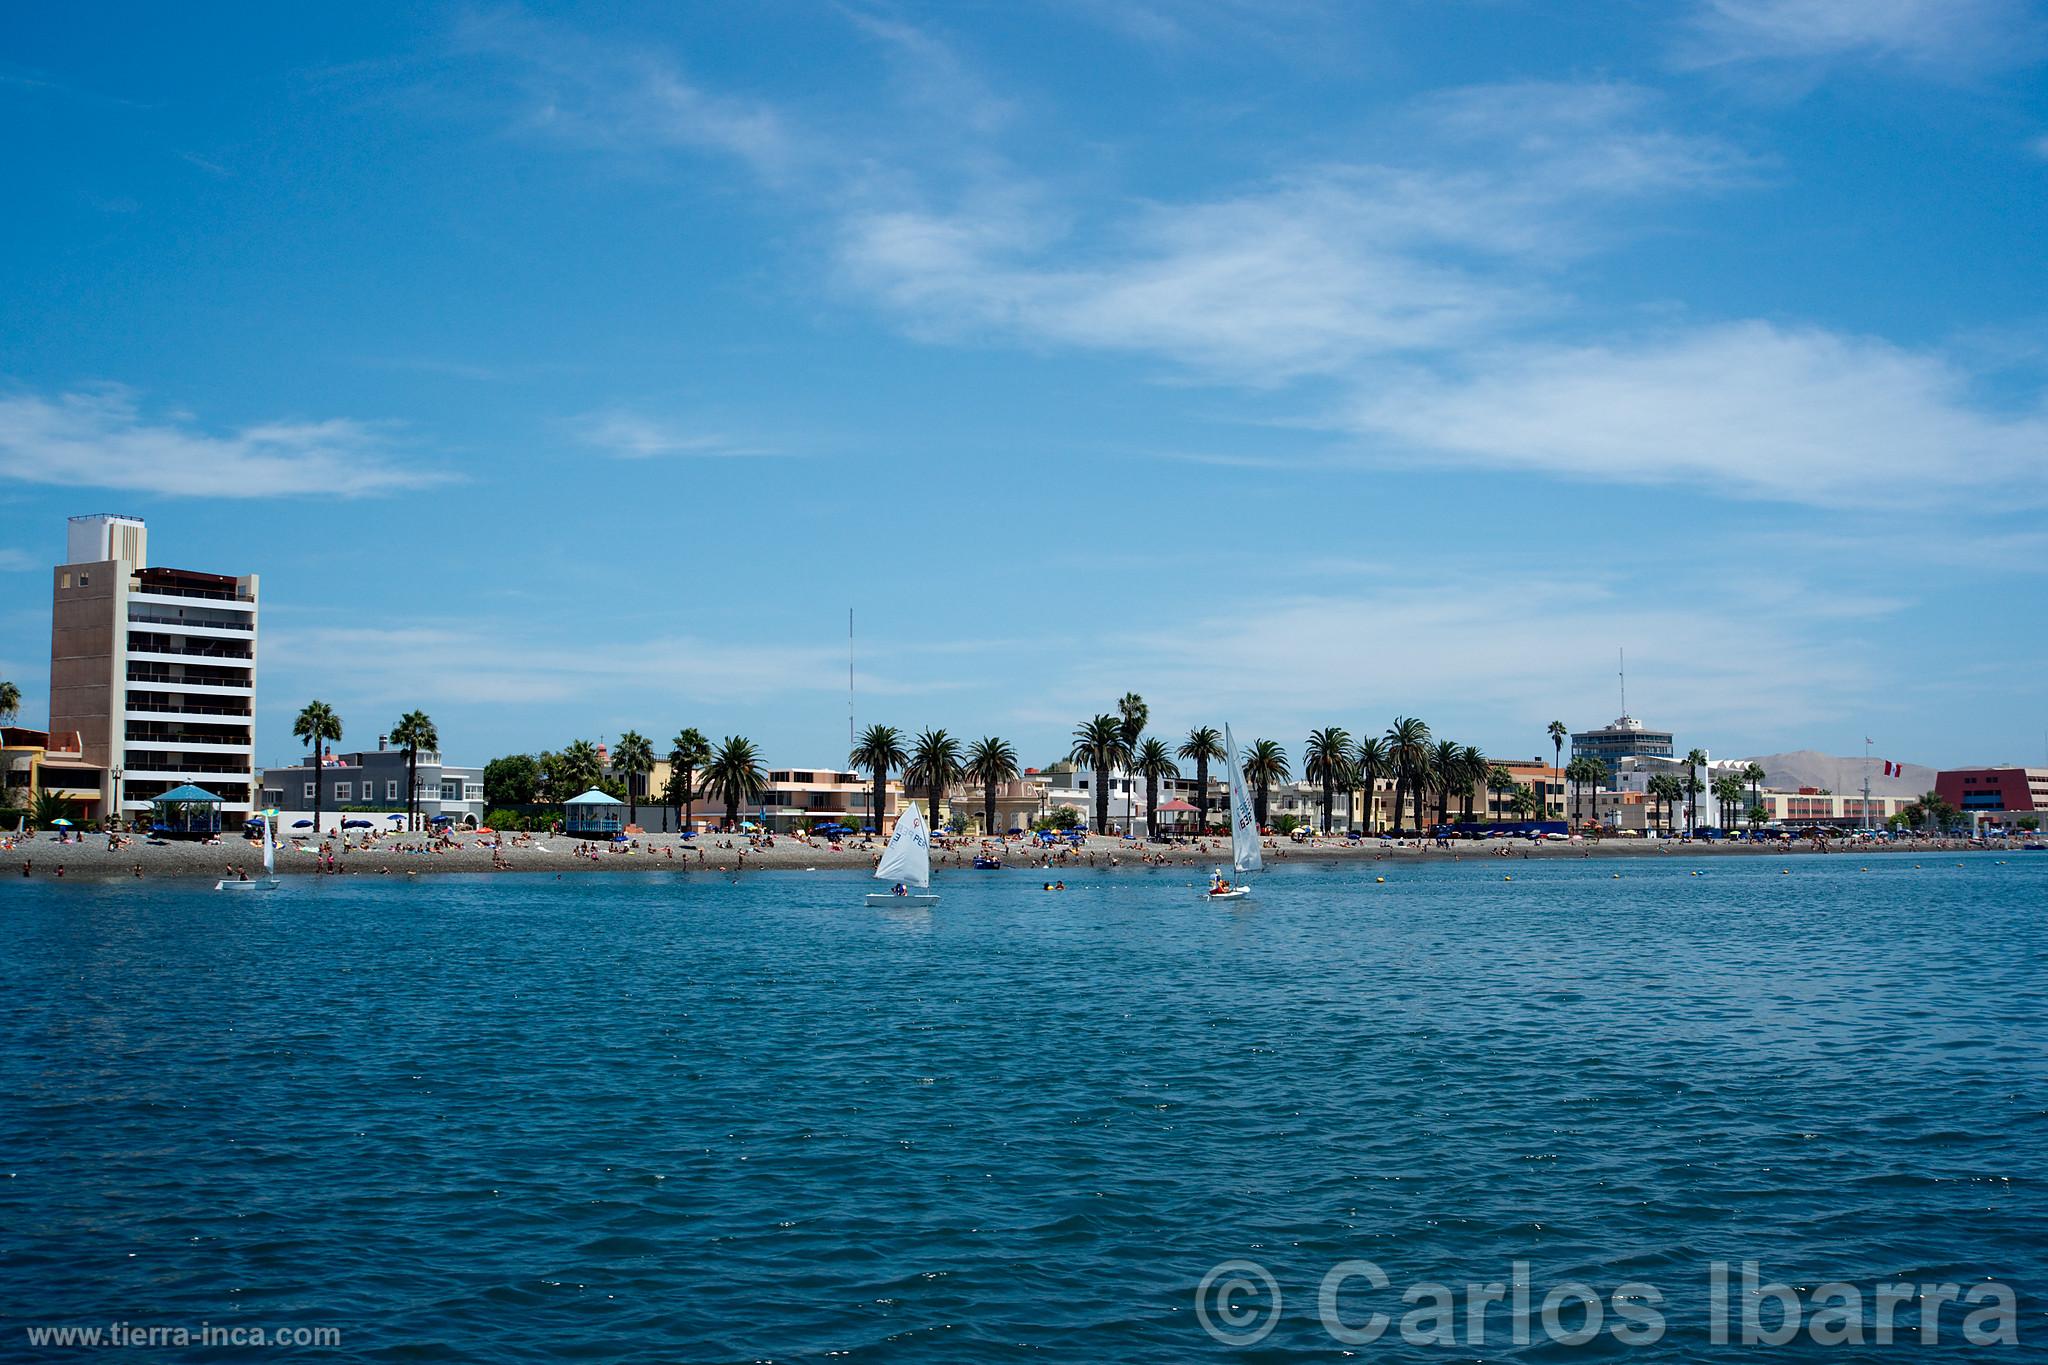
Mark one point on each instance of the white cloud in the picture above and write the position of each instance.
(17, 561)
(1750, 409)
(98, 438)
(635, 436)
(1931, 36)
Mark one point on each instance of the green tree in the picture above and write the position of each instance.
(1557, 738)
(1584, 773)
(1446, 768)
(1100, 744)
(1754, 775)
(317, 724)
(736, 774)
(1265, 763)
(414, 732)
(991, 762)
(1371, 762)
(1327, 759)
(578, 769)
(1152, 761)
(1525, 803)
(1694, 761)
(10, 702)
(1728, 797)
(513, 780)
(1472, 776)
(1408, 748)
(1667, 789)
(1132, 713)
(47, 808)
(688, 752)
(2029, 823)
(633, 759)
(1203, 746)
(934, 765)
(1502, 784)
(879, 750)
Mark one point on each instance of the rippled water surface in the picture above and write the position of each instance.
(628, 1117)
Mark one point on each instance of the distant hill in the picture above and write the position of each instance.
(1807, 768)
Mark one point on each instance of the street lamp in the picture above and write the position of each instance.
(117, 794)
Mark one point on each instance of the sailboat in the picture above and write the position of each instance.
(266, 882)
(907, 861)
(1244, 832)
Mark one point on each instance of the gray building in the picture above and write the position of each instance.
(1623, 737)
(373, 782)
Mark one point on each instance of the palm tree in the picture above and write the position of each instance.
(1408, 750)
(1583, 773)
(1525, 803)
(1754, 775)
(579, 768)
(1152, 761)
(1202, 745)
(1265, 763)
(1502, 784)
(991, 762)
(1327, 759)
(880, 749)
(935, 766)
(317, 724)
(1728, 793)
(633, 759)
(415, 731)
(1446, 769)
(1694, 761)
(736, 774)
(1666, 788)
(1475, 769)
(10, 701)
(1132, 713)
(1369, 763)
(1557, 738)
(1100, 744)
(690, 752)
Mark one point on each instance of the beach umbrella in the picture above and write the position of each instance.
(355, 824)
(61, 821)
(444, 819)
(296, 824)
(867, 829)
(1013, 830)
(394, 817)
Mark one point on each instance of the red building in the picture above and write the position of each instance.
(1992, 790)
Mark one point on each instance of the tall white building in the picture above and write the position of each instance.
(155, 668)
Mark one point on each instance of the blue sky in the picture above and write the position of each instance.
(569, 370)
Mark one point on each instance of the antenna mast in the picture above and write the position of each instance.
(1624, 680)
(851, 741)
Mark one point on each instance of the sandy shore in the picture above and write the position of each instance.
(396, 855)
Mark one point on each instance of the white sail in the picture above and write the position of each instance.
(1244, 827)
(908, 858)
(269, 849)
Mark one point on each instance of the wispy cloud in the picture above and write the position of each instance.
(17, 561)
(1802, 416)
(99, 438)
(636, 436)
(1931, 37)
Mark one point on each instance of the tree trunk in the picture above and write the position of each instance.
(932, 803)
(632, 798)
(1329, 799)
(1101, 795)
(1151, 806)
(1202, 795)
(881, 799)
(1400, 795)
(1419, 794)
(1262, 805)
(412, 789)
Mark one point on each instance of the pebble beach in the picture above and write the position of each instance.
(41, 856)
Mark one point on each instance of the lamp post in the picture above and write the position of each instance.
(116, 816)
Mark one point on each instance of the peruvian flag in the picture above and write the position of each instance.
(1892, 769)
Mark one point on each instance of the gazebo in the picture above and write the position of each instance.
(186, 810)
(1178, 809)
(593, 813)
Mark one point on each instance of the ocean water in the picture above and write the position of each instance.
(663, 1118)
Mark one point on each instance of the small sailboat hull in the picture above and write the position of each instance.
(1235, 893)
(253, 884)
(882, 900)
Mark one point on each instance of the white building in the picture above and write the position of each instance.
(153, 668)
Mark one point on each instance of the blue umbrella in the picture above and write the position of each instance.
(394, 817)
(296, 824)
(444, 819)
(355, 824)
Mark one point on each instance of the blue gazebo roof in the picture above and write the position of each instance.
(188, 792)
(594, 797)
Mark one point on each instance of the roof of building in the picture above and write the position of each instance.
(594, 797)
(188, 792)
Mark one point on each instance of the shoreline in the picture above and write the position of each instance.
(91, 860)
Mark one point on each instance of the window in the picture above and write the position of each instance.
(309, 791)
(391, 790)
(341, 791)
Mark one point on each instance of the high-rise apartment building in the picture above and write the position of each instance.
(154, 668)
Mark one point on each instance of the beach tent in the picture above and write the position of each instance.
(187, 810)
(593, 813)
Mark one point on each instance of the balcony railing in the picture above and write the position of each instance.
(242, 656)
(135, 619)
(186, 709)
(204, 594)
(152, 675)
(149, 763)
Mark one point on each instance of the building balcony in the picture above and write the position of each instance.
(236, 599)
(191, 744)
(147, 707)
(217, 630)
(166, 653)
(175, 683)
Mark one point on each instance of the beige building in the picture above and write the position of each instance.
(34, 761)
(154, 669)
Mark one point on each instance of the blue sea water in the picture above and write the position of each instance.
(662, 1118)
